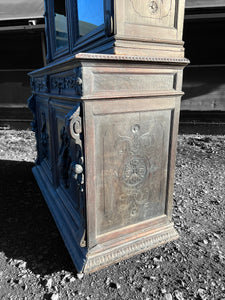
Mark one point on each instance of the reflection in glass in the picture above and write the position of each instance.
(61, 34)
(90, 15)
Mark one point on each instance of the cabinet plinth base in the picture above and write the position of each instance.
(104, 258)
(103, 255)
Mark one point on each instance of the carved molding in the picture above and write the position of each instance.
(137, 246)
(177, 61)
(73, 81)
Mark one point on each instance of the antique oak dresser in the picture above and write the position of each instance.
(106, 112)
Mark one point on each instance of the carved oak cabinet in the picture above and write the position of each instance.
(106, 113)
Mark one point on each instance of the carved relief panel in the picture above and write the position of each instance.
(152, 12)
(159, 22)
(132, 154)
(44, 134)
(67, 83)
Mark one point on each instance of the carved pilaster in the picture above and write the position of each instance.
(31, 102)
(44, 138)
(71, 161)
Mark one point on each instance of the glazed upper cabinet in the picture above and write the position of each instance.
(134, 27)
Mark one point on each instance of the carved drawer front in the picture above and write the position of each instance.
(44, 135)
(68, 157)
(132, 156)
(67, 83)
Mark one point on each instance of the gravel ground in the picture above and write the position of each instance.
(34, 263)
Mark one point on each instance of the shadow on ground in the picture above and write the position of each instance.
(27, 230)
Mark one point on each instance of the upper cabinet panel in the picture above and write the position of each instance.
(90, 15)
(140, 18)
(151, 27)
(156, 13)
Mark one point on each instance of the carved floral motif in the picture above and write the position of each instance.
(156, 9)
(39, 84)
(135, 168)
(153, 6)
(74, 81)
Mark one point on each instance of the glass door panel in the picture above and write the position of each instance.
(90, 15)
(61, 32)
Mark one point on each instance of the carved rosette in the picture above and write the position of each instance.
(156, 9)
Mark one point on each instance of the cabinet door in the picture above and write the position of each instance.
(150, 19)
(68, 159)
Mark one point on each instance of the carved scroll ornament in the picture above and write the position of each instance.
(71, 164)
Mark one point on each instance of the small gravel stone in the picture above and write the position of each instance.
(80, 276)
(72, 279)
(49, 283)
(168, 297)
(55, 296)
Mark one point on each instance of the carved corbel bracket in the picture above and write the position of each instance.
(73, 122)
(71, 161)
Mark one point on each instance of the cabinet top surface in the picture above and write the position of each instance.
(78, 59)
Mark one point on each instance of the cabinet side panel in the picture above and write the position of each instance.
(132, 150)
